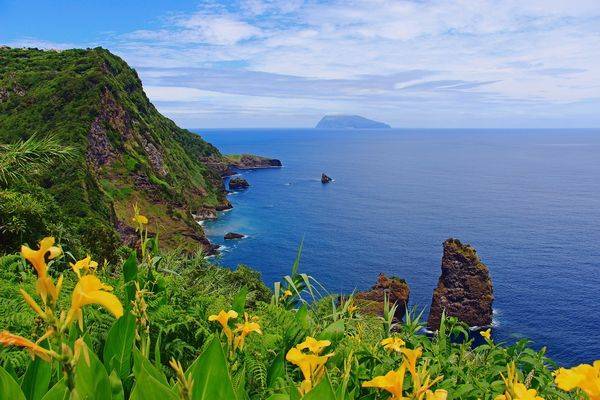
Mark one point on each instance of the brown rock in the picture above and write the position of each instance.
(397, 290)
(464, 289)
(325, 178)
(238, 183)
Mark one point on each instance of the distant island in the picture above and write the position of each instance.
(349, 122)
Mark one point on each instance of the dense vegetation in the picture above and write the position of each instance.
(121, 151)
(185, 329)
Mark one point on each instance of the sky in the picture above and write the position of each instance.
(272, 63)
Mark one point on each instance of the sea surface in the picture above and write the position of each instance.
(527, 200)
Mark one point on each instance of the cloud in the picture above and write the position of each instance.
(405, 61)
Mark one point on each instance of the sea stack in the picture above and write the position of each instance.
(238, 183)
(325, 179)
(371, 301)
(233, 236)
(464, 289)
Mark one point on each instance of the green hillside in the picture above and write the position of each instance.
(126, 152)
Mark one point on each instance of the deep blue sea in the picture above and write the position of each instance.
(527, 200)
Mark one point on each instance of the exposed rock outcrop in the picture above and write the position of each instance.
(464, 289)
(325, 178)
(250, 161)
(233, 235)
(397, 290)
(238, 183)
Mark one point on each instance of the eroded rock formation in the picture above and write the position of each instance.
(371, 301)
(325, 178)
(238, 183)
(464, 289)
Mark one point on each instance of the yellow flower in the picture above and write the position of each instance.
(352, 308)
(37, 258)
(522, 393)
(9, 339)
(584, 376)
(312, 367)
(140, 219)
(411, 356)
(244, 330)
(34, 306)
(393, 344)
(223, 319)
(86, 265)
(487, 334)
(439, 394)
(89, 290)
(391, 382)
(313, 345)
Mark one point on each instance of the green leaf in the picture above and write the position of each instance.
(116, 386)
(36, 379)
(323, 391)
(9, 388)
(57, 392)
(211, 375)
(333, 331)
(91, 381)
(278, 396)
(117, 349)
(239, 301)
(297, 260)
(276, 370)
(142, 365)
(130, 276)
(147, 387)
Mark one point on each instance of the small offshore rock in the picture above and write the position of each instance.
(372, 301)
(325, 178)
(238, 183)
(233, 236)
(464, 289)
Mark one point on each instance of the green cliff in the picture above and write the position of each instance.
(125, 152)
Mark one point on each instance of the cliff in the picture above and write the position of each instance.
(464, 289)
(126, 151)
(349, 122)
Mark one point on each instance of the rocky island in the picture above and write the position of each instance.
(251, 161)
(349, 122)
(464, 289)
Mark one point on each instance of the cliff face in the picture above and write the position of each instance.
(127, 152)
(464, 289)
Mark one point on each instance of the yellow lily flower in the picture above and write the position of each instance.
(352, 308)
(411, 356)
(244, 330)
(313, 345)
(89, 290)
(393, 344)
(522, 393)
(9, 339)
(487, 334)
(31, 302)
(85, 264)
(223, 319)
(37, 258)
(439, 394)
(140, 219)
(287, 293)
(391, 382)
(584, 376)
(312, 367)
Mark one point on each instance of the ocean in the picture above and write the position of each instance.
(527, 200)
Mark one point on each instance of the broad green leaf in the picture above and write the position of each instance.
(323, 391)
(148, 387)
(130, 276)
(57, 392)
(276, 370)
(117, 349)
(91, 381)
(333, 331)
(36, 379)
(116, 386)
(9, 388)
(142, 365)
(278, 396)
(211, 375)
(239, 301)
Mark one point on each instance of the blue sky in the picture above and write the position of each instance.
(271, 63)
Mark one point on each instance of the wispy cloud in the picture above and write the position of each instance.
(417, 62)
